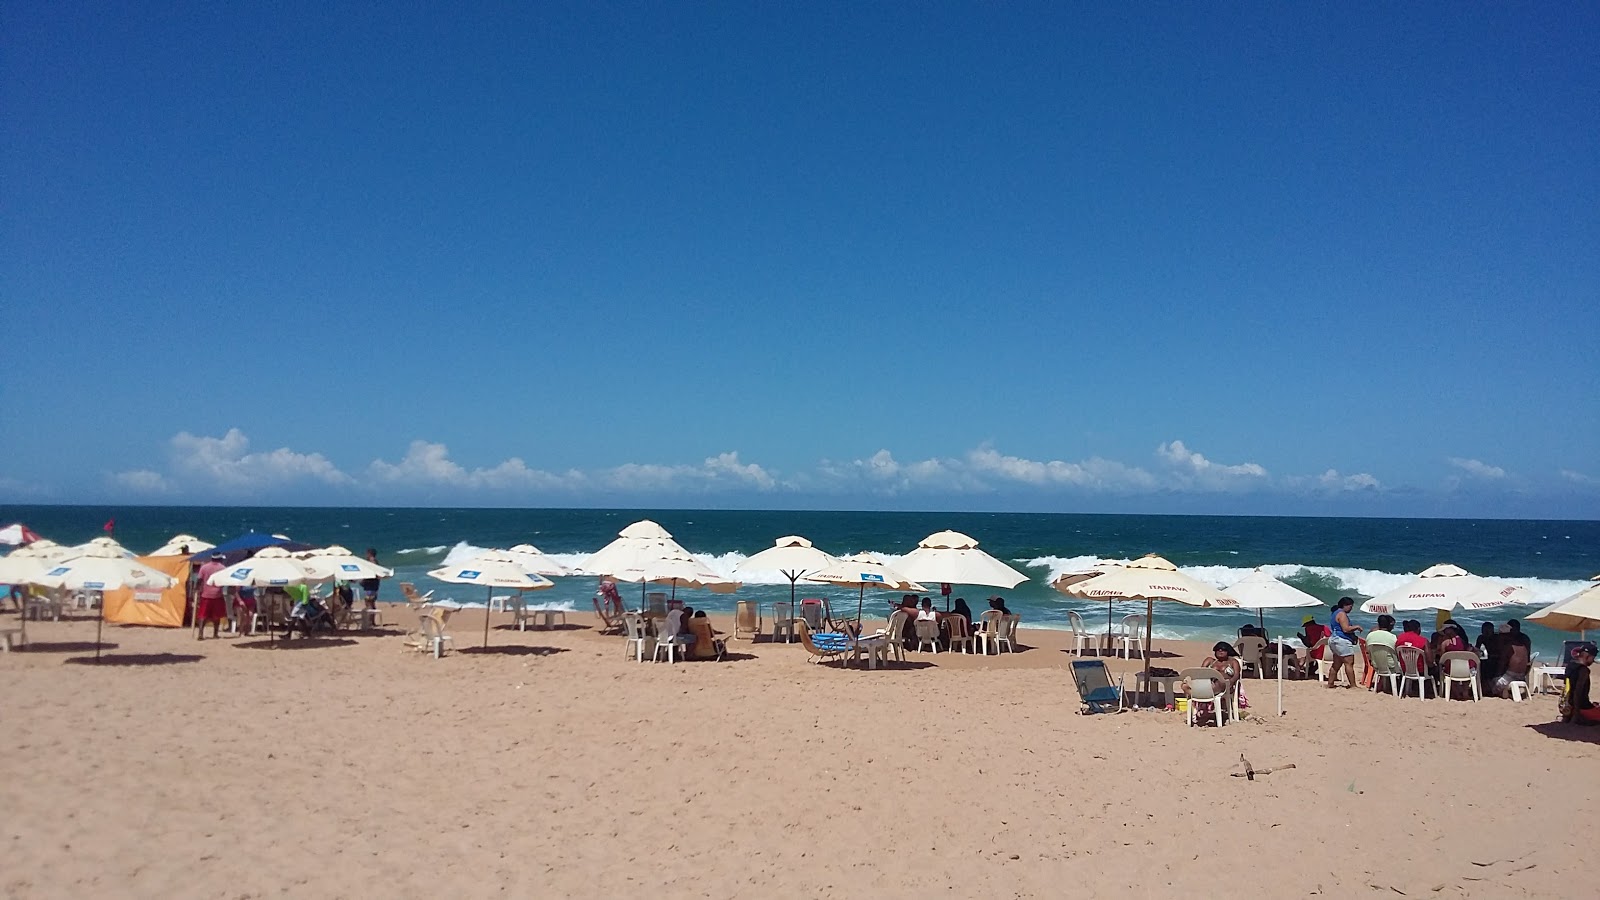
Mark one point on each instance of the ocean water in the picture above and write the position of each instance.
(1326, 557)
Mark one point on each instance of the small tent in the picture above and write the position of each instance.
(165, 609)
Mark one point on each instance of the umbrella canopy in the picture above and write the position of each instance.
(17, 533)
(633, 546)
(245, 544)
(20, 566)
(1149, 578)
(102, 569)
(791, 556)
(1580, 612)
(1261, 591)
(103, 543)
(495, 569)
(1445, 587)
(175, 546)
(951, 557)
(272, 567)
(667, 563)
(339, 563)
(534, 561)
(861, 571)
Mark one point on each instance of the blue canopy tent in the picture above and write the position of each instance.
(246, 545)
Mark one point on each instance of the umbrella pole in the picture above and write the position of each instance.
(1280, 678)
(1149, 612)
(861, 602)
(486, 600)
(99, 625)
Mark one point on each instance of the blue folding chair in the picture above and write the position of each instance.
(1095, 689)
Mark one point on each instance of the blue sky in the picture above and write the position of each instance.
(1175, 258)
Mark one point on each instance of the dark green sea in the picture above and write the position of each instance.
(1326, 557)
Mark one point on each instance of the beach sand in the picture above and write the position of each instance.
(555, 766)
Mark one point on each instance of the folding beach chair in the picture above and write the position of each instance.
(1095, 690)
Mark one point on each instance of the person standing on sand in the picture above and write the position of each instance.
(208, 605)
(369, 586)
(1342, 643)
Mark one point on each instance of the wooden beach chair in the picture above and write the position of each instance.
(746, 620)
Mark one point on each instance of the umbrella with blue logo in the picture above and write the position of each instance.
(494, 569)
(102, 568)
(862, 571)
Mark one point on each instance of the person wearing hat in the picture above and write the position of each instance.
(1575, 703)
(1311, 634)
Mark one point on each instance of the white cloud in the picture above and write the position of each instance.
(1580, 478)
(227, 462)
(1476, 468)
(1192, 469)
(142, 481)
(1094, 473)
(429, 465)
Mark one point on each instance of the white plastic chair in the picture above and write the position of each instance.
(783, 620)
(895, 632)
(1132, 633)
(1458, 667)
(433, 636)
(959, 635)
(988, 632)
(1414, 671)
(677, 645)
(521, 615)
(1202, 689)
(1081, 635)
(927, 635)
(1006, 639)
(1314, 666)
(1385, 665)
(1250, 650)
(633, 627)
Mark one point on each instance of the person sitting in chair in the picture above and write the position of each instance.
(1576, 706)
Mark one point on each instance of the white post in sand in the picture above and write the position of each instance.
(1280, 679)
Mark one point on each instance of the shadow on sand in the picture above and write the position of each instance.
(512, 651)
(65, 647)
(295, 644)
(1565, 731)
(135, 659)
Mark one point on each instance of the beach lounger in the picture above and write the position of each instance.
(811, 610)
(1095, 690)
(608, 622)
(746, 620)
(706, 645)
(413, 599)
(1203, 689)
(824, 646)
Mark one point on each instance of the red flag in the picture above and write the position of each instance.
(110, 525)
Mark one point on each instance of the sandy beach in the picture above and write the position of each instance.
(556, 766)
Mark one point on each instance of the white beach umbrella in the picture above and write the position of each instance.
(103, 543)
(791, 556)
(535, 561)
(861, 571)
(1445, 587)
(1579, 613)
(665, 562)
(102, 568)
(271, 567)
(339, 563)
(175, 546)
(24, 564)
(494, 569)
(950, 557)
(633, 545)
(1261, 591)
(1149, 578)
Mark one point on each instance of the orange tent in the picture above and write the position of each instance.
(164, 609)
